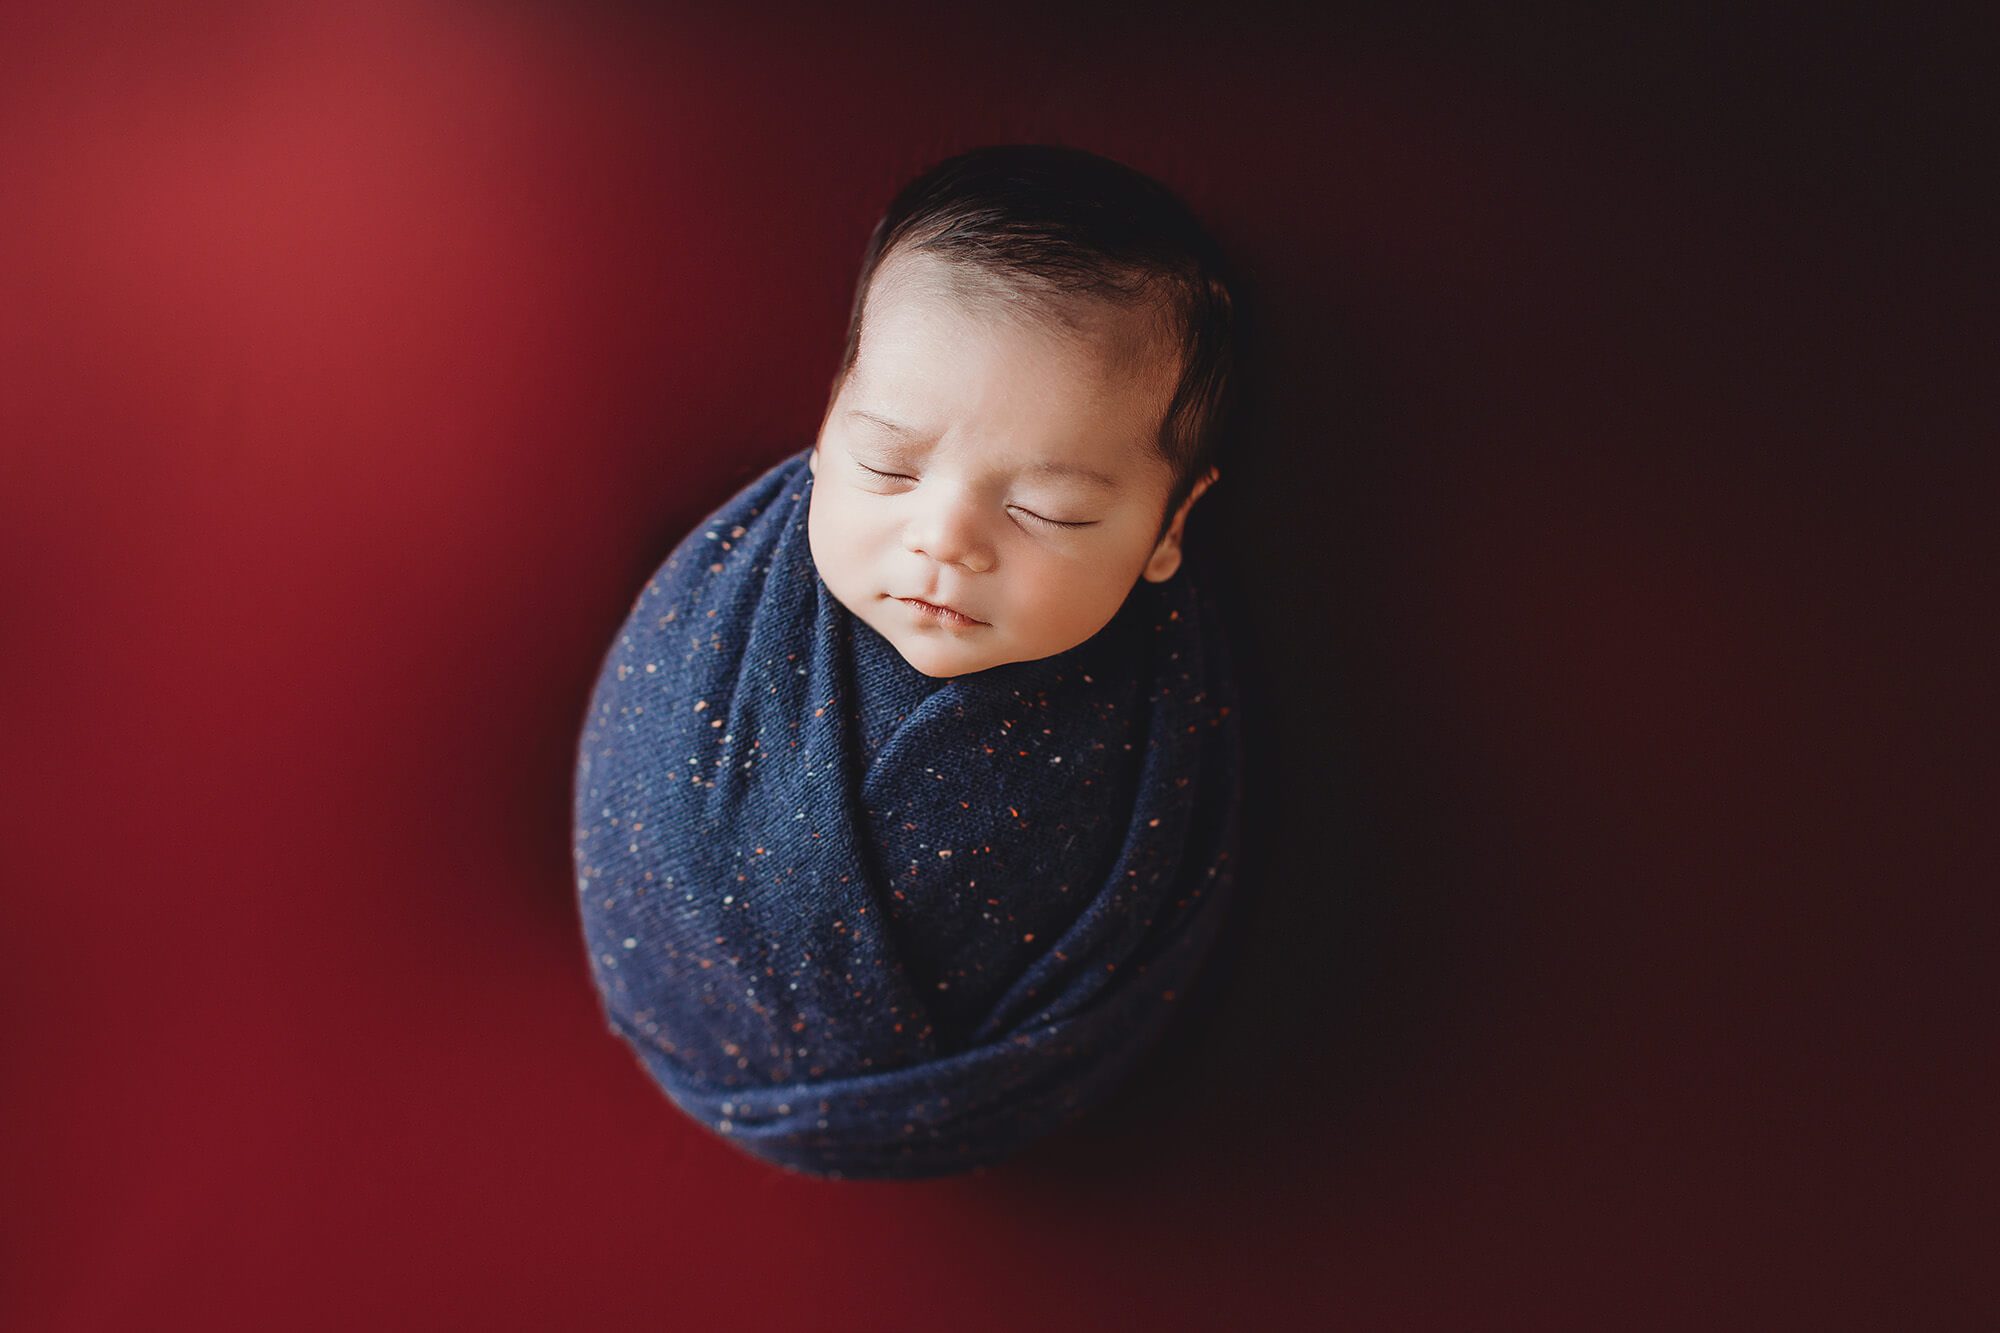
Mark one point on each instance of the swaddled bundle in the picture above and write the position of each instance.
(864, 922)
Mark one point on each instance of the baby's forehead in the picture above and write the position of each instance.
(1127, 337)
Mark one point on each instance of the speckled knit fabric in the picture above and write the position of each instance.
(863, 922)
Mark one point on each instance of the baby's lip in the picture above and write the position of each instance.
(942, 606)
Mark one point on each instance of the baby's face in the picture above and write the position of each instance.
(939, 474)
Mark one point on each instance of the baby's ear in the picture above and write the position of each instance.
(1166, 562)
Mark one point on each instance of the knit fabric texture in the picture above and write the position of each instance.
(861, 922)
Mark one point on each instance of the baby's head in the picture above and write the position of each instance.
(1038, 365)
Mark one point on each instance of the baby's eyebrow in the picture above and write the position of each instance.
(1045, 468)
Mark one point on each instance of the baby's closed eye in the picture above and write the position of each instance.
(1052, 522)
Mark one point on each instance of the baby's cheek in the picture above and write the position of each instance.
(846, 551)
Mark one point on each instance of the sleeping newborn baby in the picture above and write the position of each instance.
(992, 488)
(908, 794)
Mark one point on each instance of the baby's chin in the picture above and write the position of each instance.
(942, 660)
(944, 653)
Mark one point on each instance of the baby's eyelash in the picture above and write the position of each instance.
(1052, 522)
(1055, 522)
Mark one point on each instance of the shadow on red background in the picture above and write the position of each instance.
(1612, 956)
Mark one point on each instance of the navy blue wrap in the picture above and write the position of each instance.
(863, 922)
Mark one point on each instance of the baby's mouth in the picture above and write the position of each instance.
(941, 615)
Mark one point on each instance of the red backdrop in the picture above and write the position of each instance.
(1614, 959)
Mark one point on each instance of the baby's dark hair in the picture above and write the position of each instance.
(1047, 223)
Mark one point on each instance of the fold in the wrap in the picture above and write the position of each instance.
(863, 922)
